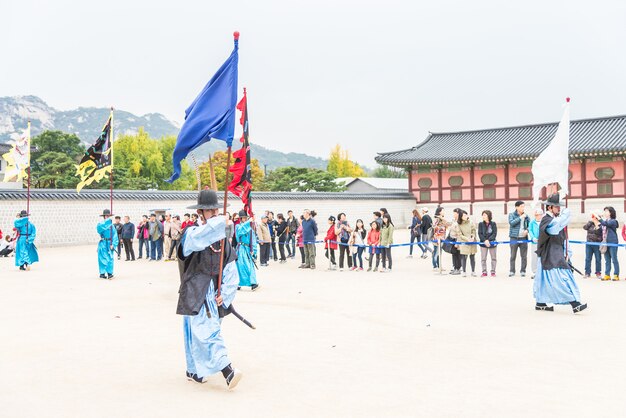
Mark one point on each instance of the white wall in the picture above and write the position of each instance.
(73, 221)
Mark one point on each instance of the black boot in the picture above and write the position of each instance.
(544, 307)
(578, 307)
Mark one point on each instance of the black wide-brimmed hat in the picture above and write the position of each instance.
(554, 200)
(106, 212)
(207, 199)
(243, 214)
(24, 214)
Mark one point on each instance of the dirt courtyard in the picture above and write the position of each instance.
(410, 343)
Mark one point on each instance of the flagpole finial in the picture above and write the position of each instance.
(236, 35)
(244, 90)
(567, 99)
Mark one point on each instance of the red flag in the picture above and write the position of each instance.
(242, 174)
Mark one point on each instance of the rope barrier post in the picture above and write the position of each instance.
(439, 258)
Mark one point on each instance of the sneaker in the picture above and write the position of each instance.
(493, 274)
(473, 274)
(511, 274)
(598, 275)
(605, 278)
(301, 266)
(360, 268)
(369, 269)
(254, 287)
(544, 308)
(312, 267)
(580, 308)
(586, 276)
(484, 274)
(341, 269)
(409, 256)
(375, 268)
(523, 274)
(233, 379)
(455, 272)
(464, 274)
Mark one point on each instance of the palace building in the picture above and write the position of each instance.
(491, 168)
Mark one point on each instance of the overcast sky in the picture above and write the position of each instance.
(371, 76)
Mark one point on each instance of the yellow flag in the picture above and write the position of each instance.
(18, 158)
(96, 164)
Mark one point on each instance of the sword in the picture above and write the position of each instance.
(231, 310)
(571, 266)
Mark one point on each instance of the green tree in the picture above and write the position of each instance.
(340, 165)
(53, 162)
(286, 179)
(219, 166)
(385, 171)
(141, 162)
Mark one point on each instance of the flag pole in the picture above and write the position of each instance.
(111, 177)
(219, 277)
(28, 183)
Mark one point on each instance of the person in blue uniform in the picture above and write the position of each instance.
(201, 299)
(246, 251)
(25, 250)
(554, 281)
(107, 245)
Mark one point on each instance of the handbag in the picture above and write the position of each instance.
(448, 246)
(603, 248)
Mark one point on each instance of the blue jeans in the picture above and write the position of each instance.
(590, 252)
(358, 256)
(611, 255)
(156, 249)
(435, 256)
(143, 242)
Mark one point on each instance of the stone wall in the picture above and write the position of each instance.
(65, 218)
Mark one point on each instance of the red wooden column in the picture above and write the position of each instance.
(472, 189)
(506, 187)
(439, 186)
(583, 186)
(624, 181)
(410, 179)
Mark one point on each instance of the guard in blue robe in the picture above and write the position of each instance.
(246, 252)
(202, 308)
(25, 250)
(554, 281)
(107, 245)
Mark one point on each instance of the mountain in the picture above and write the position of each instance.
(86, 123)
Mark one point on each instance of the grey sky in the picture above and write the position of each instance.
(371, 76)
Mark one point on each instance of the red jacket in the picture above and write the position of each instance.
(624, 232)
(331, 236)
(373, 238)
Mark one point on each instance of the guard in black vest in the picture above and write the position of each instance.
(554, 282)
(199, 262)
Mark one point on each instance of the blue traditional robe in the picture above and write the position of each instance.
(556, 285)
(246, 251)
(106, 255)
(25, 250)
(205, 351)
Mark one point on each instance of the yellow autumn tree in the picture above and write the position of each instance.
(219, 166)
(340, 165)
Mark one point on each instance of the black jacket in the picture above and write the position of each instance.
(196, 272)
(484, 232)
(593, 234)
(427, 222)
(550, 248)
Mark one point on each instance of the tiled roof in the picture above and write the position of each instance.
(383, 183)
(588, 137)
(57, 194)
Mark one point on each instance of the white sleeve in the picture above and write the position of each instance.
(199, 237)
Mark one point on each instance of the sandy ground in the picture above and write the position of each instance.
(329, 344)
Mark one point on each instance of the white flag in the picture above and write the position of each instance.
(552, 164)
(18, 158)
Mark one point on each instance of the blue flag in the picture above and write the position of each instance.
(212, 113)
